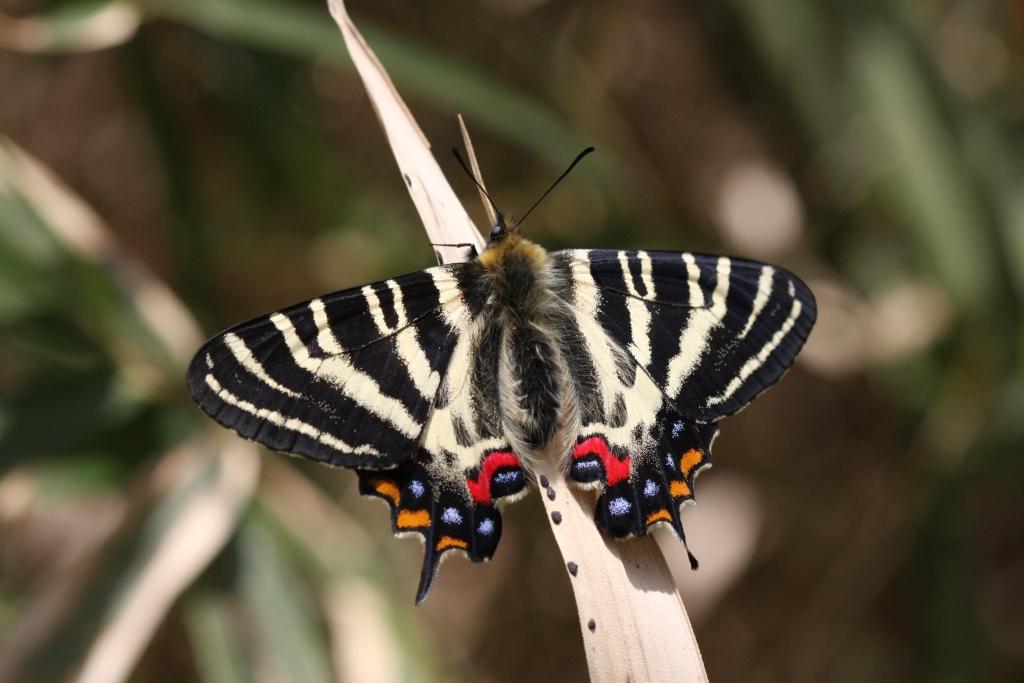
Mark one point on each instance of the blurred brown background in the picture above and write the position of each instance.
(864, 519)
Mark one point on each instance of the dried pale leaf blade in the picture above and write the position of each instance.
(474, 165)
(614, 579)
(153, 310)
(115, 599)
(72, 27)
(443, 216)
(185, 533)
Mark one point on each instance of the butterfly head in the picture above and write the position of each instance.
(507, 248)
(501, 230)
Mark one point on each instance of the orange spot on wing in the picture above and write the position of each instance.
(690, 459)
(658, 516)
(388, 490)
(451, 542)
(679, 489)
(413, 518)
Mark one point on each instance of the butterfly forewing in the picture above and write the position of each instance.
(711, 331)
(348, 378)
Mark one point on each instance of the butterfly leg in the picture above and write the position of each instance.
(473, 253)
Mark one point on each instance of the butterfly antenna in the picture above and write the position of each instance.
(458, 157)
(575, 161)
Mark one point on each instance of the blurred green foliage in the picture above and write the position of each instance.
(232, 155)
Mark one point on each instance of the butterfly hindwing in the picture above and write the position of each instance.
(449, 512)
(644, 463)
(645, 485)
(631, 442)
(348, 378)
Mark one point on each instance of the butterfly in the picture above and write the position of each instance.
(442, 387)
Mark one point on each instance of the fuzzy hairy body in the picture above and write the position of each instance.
(523, 325)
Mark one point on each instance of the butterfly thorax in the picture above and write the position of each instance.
(525, 314)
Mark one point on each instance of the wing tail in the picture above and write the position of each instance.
(643, 489)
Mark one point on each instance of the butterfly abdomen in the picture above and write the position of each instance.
(532, 392)
(535, 383)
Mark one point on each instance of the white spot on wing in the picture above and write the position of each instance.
(243, 354)
(693, 281)
(694, 338)
(639, 314)
(764, 289)
(619, 506)
(338, 370)
(757, 361)
(451, 516)
(289, 423)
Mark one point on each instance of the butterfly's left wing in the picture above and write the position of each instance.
(679, 341)
(711, 331)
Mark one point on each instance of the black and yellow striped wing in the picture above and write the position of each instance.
(348, 378)
(678, 341)
(377, 378)
(712, 332)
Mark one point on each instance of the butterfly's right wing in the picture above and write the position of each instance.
(464, 468)
(348, 378)
(396, 379)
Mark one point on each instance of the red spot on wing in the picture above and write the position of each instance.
(480, 486)
(615, 470)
